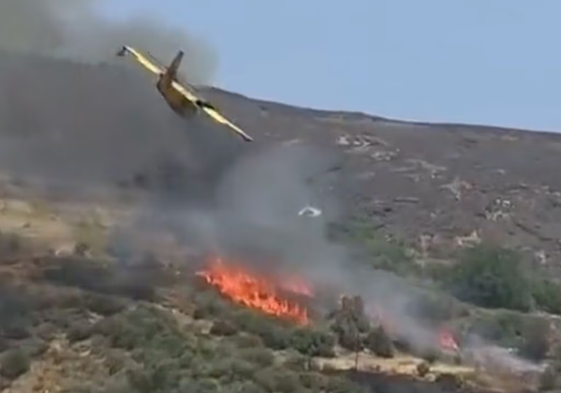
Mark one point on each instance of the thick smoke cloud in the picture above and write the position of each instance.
(72, 28)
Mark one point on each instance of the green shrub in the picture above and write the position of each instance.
(349, 337)
(312, 342)
(272, 332)
(313, 380)
(33, 347)
(277, 380)
(505, 328)
(79, 331)
(492, 277)
(103, 305)
(245, 340)
(208, 305)
(14, 363)
(380, 343)
(259, 356)
(547, 296)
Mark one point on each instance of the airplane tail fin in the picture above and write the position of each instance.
(171, 71)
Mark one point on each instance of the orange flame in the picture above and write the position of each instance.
(250, 290)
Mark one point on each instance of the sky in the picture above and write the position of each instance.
(493, 62)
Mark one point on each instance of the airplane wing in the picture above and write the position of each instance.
(149, 64)
(215, 115)
(212, 112)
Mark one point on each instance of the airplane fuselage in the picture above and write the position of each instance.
(176, 101)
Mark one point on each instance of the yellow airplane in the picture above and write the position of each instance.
(182, 98)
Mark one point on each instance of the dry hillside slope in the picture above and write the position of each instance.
(437, 186)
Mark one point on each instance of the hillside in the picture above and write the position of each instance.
(434, 185)
(113, 209)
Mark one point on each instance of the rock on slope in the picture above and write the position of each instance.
(436, 186)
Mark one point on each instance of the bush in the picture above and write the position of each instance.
(77, 272)
(535, 344)
(34, 347)
(297, 362)
(114, 362)
(314, 381)
(259, 356)
(208, 306)
(103, 305)
(278, 380)
(504, 328)
(312, 342)
(14, 363)
(79, 331)
(492, 277)
(349, 338)
(423, 369)
(274, 335)
(380, 343)
(248, 341)
(222, 328)
(547, 296)
(244, 387)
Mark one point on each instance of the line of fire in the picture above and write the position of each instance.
(294, 299)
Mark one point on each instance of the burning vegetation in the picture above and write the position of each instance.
(356, 325)
(257, 291)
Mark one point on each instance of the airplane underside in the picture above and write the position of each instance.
(178, 103)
